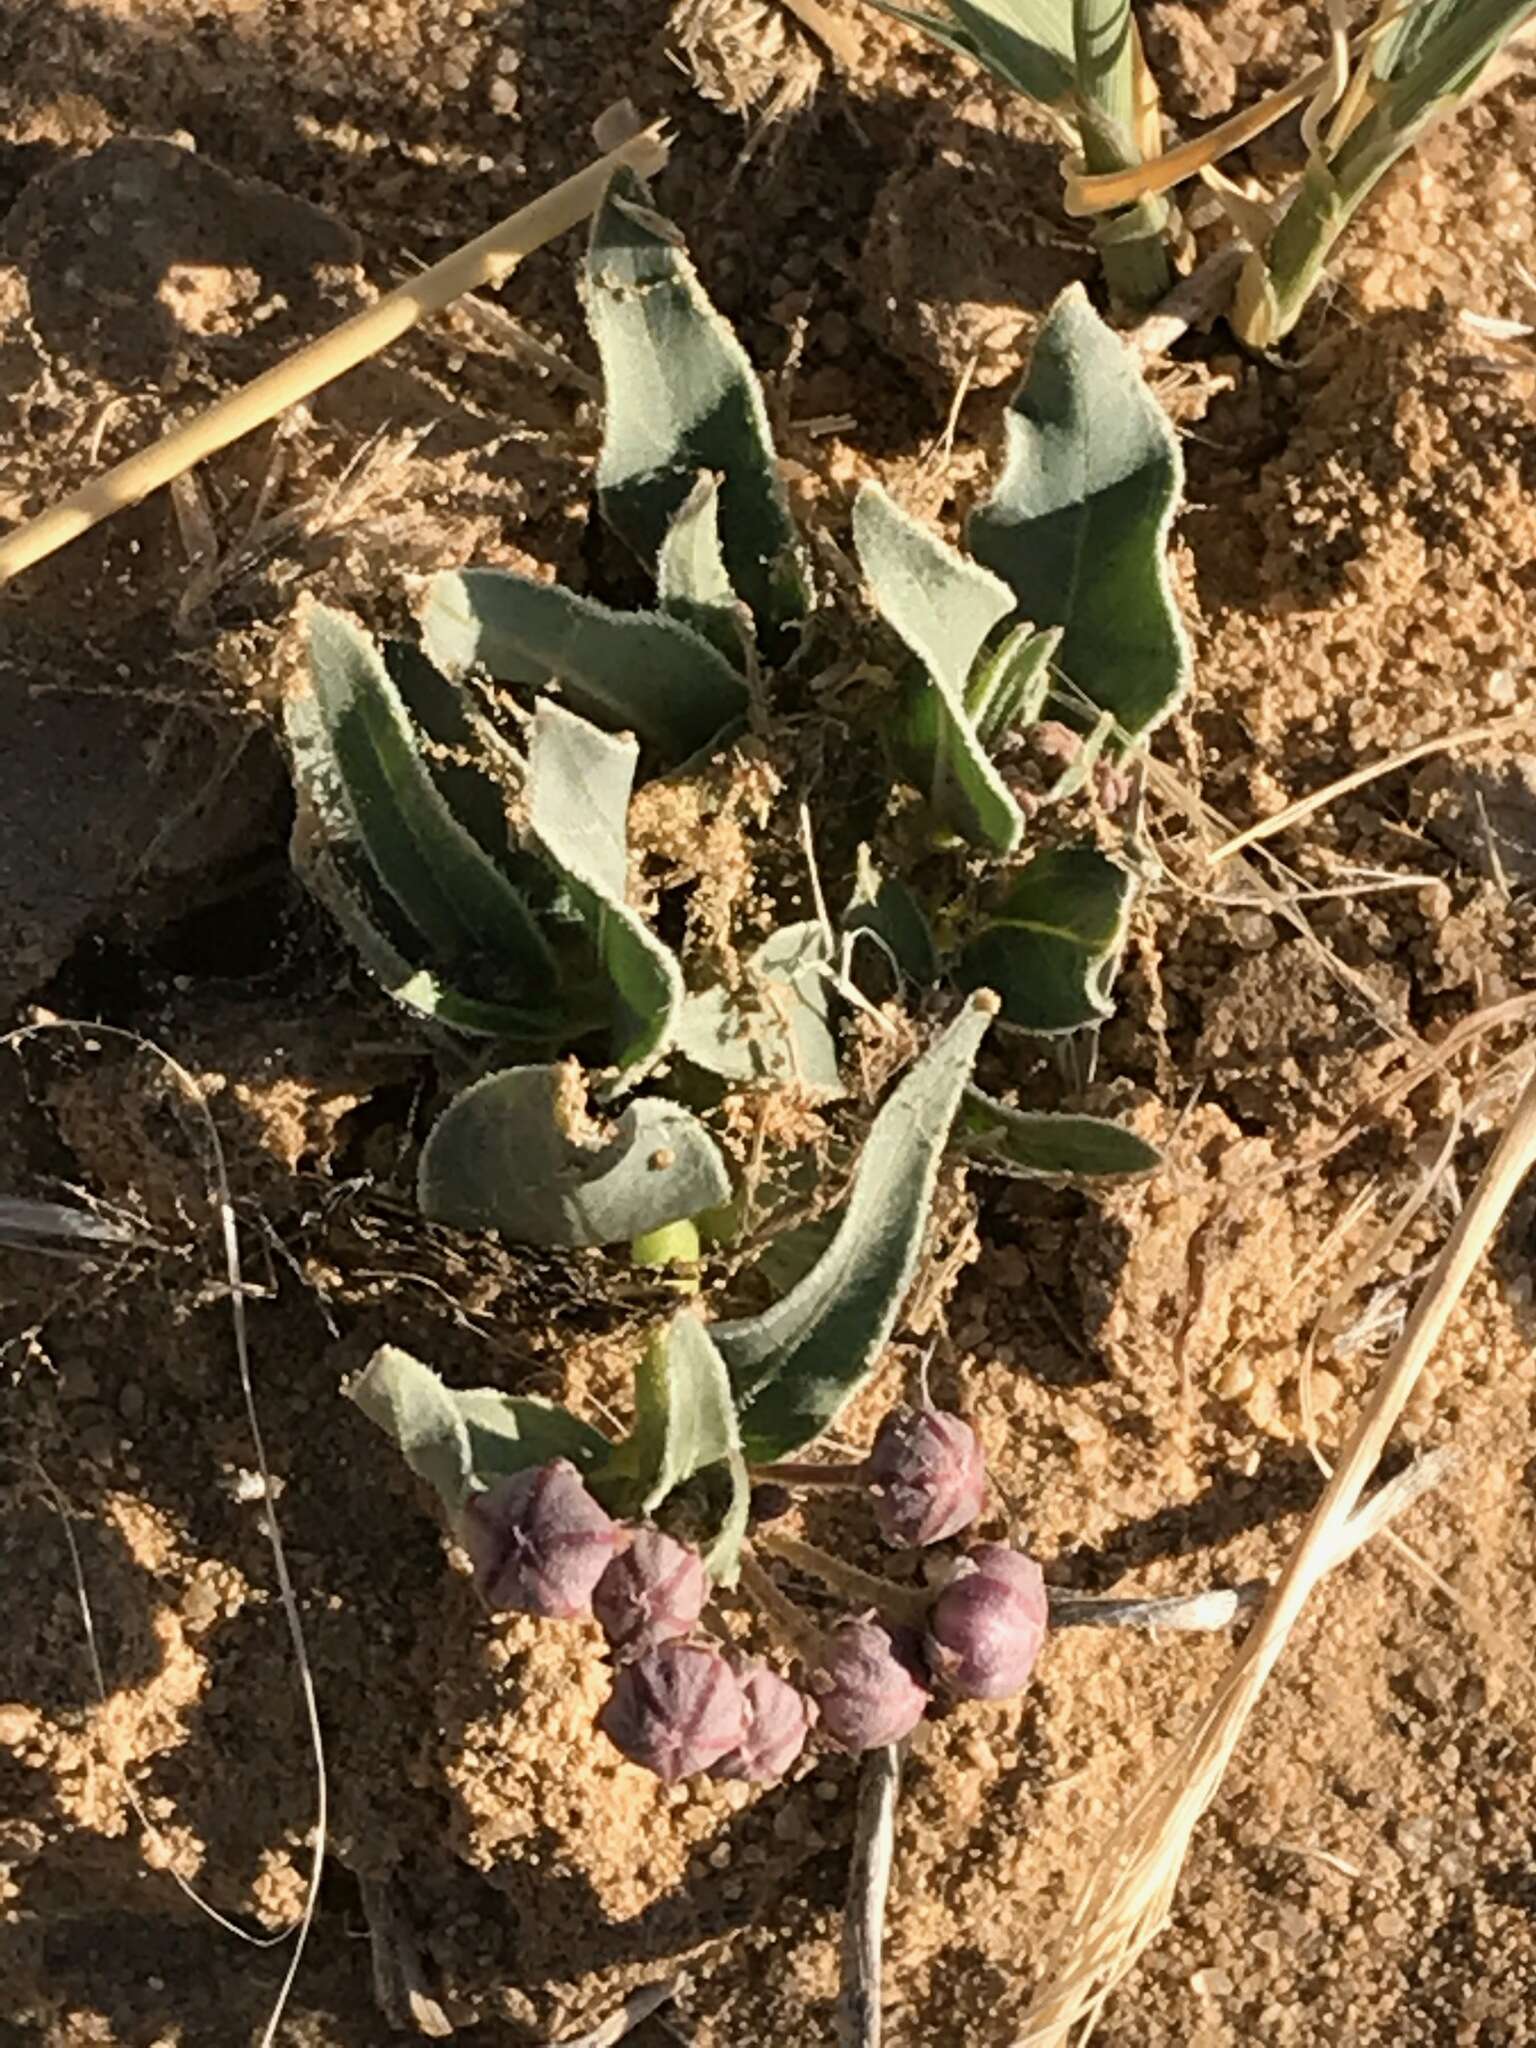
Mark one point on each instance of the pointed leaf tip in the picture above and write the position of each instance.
(1078, 525)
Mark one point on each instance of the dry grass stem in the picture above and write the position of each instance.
(1183, 1613)
(1279, 902)
(487, 260)
(1219, 1606)
(400, 1987)
(1194, 301)
(1127, 1901)
(830, 30)
(637, 2008)
(859, 2019)
(1472, 735)
(222, 1201)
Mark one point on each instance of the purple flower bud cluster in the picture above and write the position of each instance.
(984, 1627)
(540, 1544)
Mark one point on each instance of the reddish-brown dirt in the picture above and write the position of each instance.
(186, 191)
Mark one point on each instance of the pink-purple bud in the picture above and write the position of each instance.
(928, 1473)
(867, 1685)
(676, 1710)
(986, 1627)
(778, 1721)
(539, 1542)
(654, 1590)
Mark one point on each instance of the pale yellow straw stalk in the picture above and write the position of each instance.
(487, 260)
(1125, 1904)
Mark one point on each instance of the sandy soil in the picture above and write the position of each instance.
(186, 190)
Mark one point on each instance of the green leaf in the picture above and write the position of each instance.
(361, 773)
(509, 1432)
(945, 32)
(685, 1423)
(774, 1028)
(626, 671)
(579, 782)
(692, 581)
(1104, 44)
(473, 767)
(1009, 688)
(943, 607)
(884, 910)
(795, 1366)
(1028, 43)
(1081, 766)
(1043, 1144)
(339, 878)
(1052, 950)
(1078, 526)
(502, 1157)
(680, 397)
(459, 1442)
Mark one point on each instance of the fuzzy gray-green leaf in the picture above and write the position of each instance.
(501, 1157)
(680, 396)
(1078, 525)
(692, 581)
(1055, 940)
(773, 1028)
(1026, 43)
(943, 607)
(1047, 1144)
(626, 671)
(1009, 686)
(884, 910)
(685, 1423)
(795, 1365)
(460, 1441)
(395, 955)
(510, 1432)
(579, 780)
(366, 783)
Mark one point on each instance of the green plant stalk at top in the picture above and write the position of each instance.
(1133, 243)
(1449, 64)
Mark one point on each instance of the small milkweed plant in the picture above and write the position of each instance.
(462, 813)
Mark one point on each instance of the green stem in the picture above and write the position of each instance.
(811, 1475)
(669, 1245)
(1446, 69)
(1133, 243)
(898, 1604)
(797, 1630)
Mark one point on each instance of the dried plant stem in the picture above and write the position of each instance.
(487, 260)
(1472, 735)
(1123, 1906)
(637, 2007)
(1101, 192)
(222, 1203)
(834, 34)
(1187, 1613)
(400, 1987)
(869, 1881)
(1194, 302)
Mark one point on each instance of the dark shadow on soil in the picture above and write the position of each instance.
(45, 1661)
(1287, 1483)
